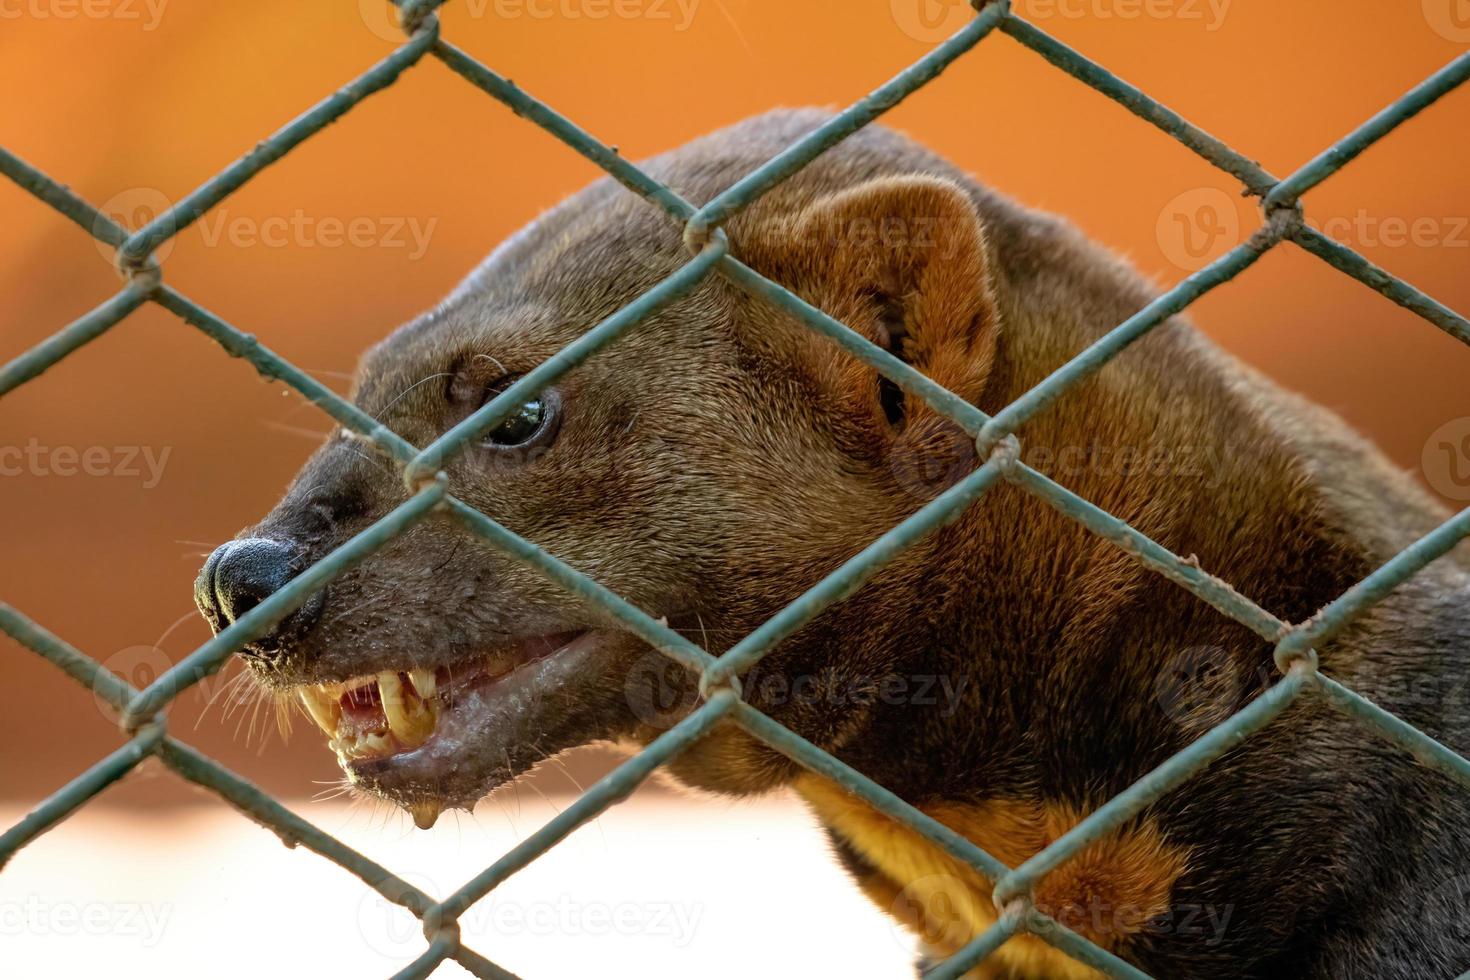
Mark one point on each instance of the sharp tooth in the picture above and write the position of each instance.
(409, 718)
(423, 682)
(322, 707)
(424, 814)
(377, 743)
(390, 688)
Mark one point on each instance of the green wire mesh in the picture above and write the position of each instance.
(141, 711)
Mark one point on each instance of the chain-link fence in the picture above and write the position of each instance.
(141, 712)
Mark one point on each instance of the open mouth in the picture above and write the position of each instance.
(382, 717)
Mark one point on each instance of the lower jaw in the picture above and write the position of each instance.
(490, 731)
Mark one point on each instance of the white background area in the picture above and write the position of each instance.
(659, 886)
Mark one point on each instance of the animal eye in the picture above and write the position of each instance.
(521, 425)
(532, 422)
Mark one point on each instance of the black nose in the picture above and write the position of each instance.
(240, 575)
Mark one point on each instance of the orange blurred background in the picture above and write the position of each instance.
(375, 218)
(136, 103)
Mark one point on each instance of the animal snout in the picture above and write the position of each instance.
(240, 575)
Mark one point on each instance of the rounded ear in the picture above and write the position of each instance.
(903, 261)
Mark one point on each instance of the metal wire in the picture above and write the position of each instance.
(141, 712)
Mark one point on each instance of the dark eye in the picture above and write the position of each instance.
(521, 425)
(532, 421)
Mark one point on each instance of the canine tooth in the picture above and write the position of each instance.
(424, 814)
(322, 707)
(423, 682)
(408, 717)
(390, 688)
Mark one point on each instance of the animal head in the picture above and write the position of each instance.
(709, 466)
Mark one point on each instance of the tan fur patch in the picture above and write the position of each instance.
(1107, 892)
